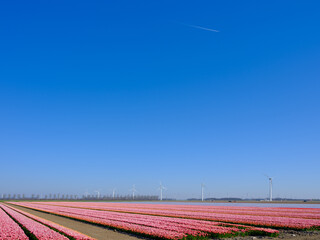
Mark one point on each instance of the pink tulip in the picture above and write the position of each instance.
(9, 229)
(159, 226)
(37, 229)
(69, 232)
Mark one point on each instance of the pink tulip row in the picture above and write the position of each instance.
(236, 217)
(177, 211)
(9, 229)
(184, 226)
(146, 228)
(260, 220)
(145, 208)
(71, 233)
(40, 231)
(187, 207)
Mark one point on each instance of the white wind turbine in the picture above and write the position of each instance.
(98, 193)
(114, 193)
(133, 190)
(161, 188)
(270, 187)
(202, 191)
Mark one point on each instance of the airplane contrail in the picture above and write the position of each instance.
(202, 28)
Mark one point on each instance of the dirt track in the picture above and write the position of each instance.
(101, 233)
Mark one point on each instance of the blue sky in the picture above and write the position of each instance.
(98, 95)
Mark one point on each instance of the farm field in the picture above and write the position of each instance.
(17, 224)
(170, 221)
(96, 232)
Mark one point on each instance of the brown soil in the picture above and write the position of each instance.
(101, 233)
(97, 232)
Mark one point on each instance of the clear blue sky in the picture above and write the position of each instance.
(97, 95)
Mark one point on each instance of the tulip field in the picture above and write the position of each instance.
(9, 229)
(161, 221)
(18, 225)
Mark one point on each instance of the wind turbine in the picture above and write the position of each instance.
(270, 187)
(161, 188)
(98, 193)
(133, 189)
(113, 193)
(202, 188)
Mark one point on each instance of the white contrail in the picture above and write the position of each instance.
(202, 28)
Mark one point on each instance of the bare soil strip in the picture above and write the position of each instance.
(96, 232)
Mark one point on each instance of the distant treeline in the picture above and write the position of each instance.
(231, 199)
(215, 199)
(95, 197)
(87, 197)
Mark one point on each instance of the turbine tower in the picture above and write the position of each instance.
(270, 187)
(98, 194)
(113, 193)
(202, 191)
(133, 189)
(161, 188)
